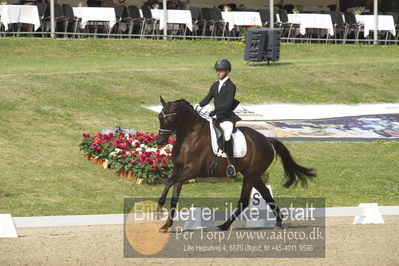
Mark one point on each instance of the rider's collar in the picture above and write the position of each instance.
(224, 80)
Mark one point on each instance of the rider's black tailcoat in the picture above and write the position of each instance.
(224, 101)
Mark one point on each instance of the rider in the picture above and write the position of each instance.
(223, 92)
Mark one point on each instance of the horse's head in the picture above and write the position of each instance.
(170, 117)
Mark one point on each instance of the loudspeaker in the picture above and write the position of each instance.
(262, 45)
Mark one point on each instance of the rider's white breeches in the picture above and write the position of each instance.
(227, 127)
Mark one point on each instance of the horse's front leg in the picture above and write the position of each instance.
(162, 199)
(173, 204)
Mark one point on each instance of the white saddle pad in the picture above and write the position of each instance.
(239, 142)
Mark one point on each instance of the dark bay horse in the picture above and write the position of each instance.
(192, 157)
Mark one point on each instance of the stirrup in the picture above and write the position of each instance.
(231, 171)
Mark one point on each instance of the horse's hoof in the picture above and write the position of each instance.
(163, 230)
(222, 227)
(231, 171)
(279, 224)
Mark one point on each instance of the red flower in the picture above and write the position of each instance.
(99, 149)
(94, 145)
(167, 150)
(145, 142)
(85, 135)
(123, 156)
(162, 166)
(101, 142)
(110, 134)
(132, 161)
(154, 168)
(123, 152)
(115, 144)
(163, 161)
(137, 144)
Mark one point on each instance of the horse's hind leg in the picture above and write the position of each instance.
(242, 203)
(266, 195)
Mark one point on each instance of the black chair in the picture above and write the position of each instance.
(69, 17)
(216, 17)
(288, 8)
(122, 18)
(206, 19)
(196, 18)
(332, 7)
(41, 8)
(148, 20)
(58, 18)
(284, 23)
(352, 25)
(265, 17)
(135, 19)
(94, 3)
(339, 24)
(395, 16)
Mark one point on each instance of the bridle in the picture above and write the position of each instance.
(166, 131)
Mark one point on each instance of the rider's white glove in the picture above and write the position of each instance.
(198, 108)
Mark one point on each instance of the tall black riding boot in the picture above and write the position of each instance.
(230, 171)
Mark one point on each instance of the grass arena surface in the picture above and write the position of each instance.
(52, 91)
(346, 244)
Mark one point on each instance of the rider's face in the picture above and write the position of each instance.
(221, 74)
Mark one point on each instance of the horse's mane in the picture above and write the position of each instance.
(185, 102)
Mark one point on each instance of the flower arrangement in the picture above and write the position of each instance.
(135, 156)
(226, 8)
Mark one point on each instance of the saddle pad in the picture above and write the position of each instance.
(239, 142)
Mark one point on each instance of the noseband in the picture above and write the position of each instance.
(166, 131)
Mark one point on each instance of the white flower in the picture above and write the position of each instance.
(151, 149)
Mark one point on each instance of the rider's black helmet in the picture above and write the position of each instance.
(223, 64)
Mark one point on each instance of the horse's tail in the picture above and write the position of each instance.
(293, 171)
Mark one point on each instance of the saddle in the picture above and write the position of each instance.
(217, 140)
